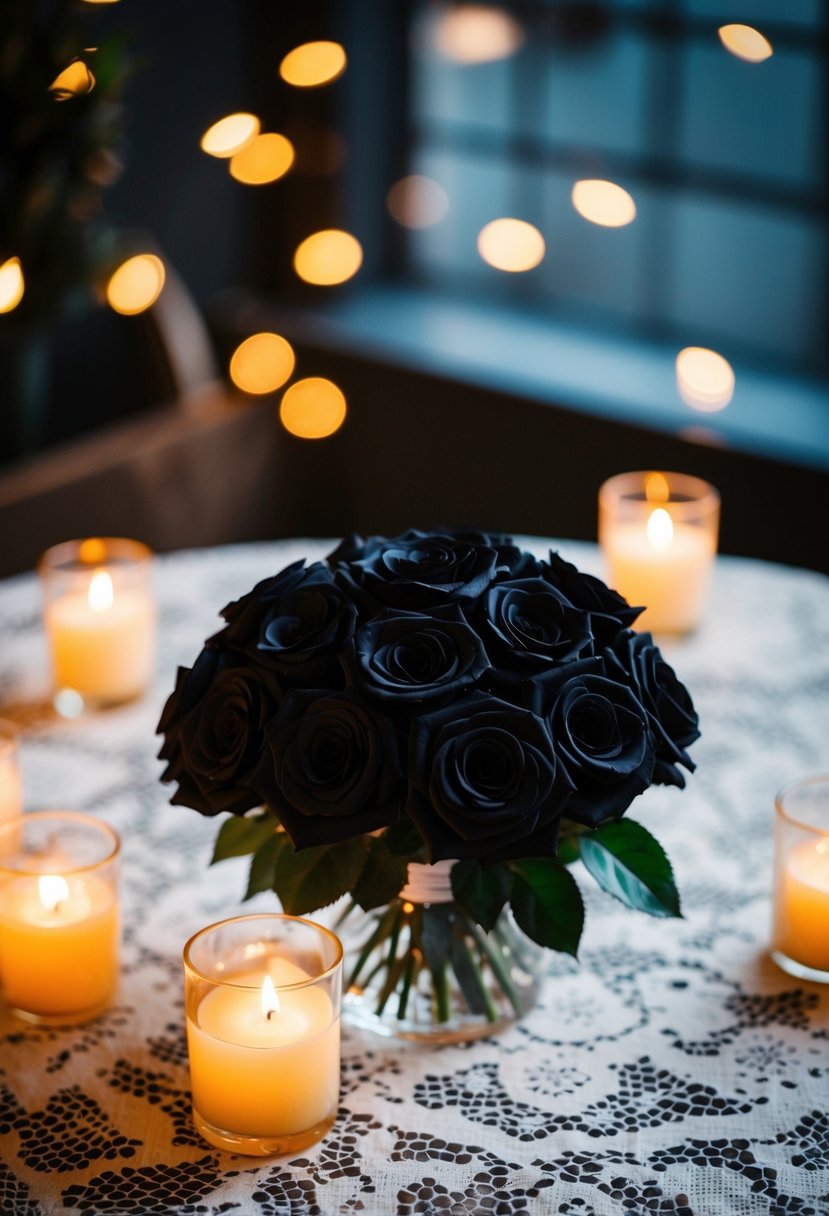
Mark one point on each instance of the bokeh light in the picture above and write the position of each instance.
(745, 42)
(312, 408)
(603, 203)
(265, 159)
(230, 134)
(704, 378)
(328, 257)
(74, 81)
(136, 284)
(509, 244)
(475, 33)
(262, 363)
(313, 64)
(417, 201)
(12, 284)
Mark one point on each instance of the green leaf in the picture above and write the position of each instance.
(382, 876)
(547, 903)
(436, 934)
(312, 878)
(240, 835)
(568, 850)
(481, 891)
(628, 862)
(264, 863)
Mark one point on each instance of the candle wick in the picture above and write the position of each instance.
(270, 1014)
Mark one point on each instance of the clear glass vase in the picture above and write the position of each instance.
(426, 971)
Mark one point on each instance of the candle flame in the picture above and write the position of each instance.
(660, 530)
(52, 889)
(100, 591)
(270, 1001)
(657, 488)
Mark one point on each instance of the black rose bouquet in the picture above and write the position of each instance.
(434, 726)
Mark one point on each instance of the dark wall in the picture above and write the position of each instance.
(417, 451)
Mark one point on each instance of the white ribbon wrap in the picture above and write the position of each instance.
(428, 884)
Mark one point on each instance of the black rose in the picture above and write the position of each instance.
(483, 781)
(636, 661)
(330, 768)
(529, 624)
(294, 623)
(602, 739)
(512, 561)
(407, 658)
(419, 570)
(609, 611)
(213, 725)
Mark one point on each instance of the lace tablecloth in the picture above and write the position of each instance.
(673, 1070)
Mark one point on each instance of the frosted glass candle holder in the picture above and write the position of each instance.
(59, 920)
(658, 536)
(262, 997)
(100, 620)
(800, 925)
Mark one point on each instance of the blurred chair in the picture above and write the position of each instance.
(197, 471)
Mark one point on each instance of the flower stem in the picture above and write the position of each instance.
(380, 933)
(490, 1008)
(412, 967)
(496, 961)
(440, 983)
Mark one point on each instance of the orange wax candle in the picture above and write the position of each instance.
(99, 616)
(58, 944)
(102, 644)
(658, 535)
(264, 1063)
(802, 912)
(59, 921)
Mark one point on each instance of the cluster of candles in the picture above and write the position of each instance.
(263, 992)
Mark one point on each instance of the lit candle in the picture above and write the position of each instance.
(99, 616)
(802, 913)
(658, 534)
(59, 931)
(264, 1045)
(262, 1063)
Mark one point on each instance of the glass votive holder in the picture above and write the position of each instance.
(262, 998)
(800, 924)
(658, 535)
(99, 614)
(11, 778)
(59, 918)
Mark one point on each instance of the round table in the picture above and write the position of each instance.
(673, 1069)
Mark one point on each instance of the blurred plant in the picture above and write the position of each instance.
(61, 122)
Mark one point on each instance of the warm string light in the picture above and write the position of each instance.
(262, 363)
(603, 203)
(474, 33)
(264, 159)
(417, 201)
(328, 257)
(704, 378)
(136, 284)
(12, 284)
(511, 245)
(313, 408)
(230, 134)
(313, 64)
(74, 81)
(746, 43)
